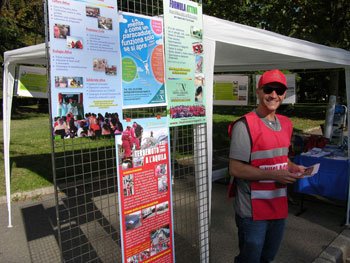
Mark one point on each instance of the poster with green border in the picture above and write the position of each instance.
(32, 82)
(230, 89)
(184, 56)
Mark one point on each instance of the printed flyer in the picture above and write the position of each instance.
(230, 89)
(184, 56)
(144, 188)
(32, 82)
(85, 65)
(142, 52)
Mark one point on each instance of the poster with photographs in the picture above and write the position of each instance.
(32, 82)
(142, 51)
(291, 91)
(144, 188)
(185, 80)
(230, 89)
(85, 68)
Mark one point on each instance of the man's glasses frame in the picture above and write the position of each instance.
(269, 89)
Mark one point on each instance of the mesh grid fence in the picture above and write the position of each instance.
(85, 177)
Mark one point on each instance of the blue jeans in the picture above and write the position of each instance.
(259, 240)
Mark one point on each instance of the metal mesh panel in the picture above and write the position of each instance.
(85, 176)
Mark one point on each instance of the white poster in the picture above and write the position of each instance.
(85, 59)
(32, 82)
(230, 89)
(184, 55)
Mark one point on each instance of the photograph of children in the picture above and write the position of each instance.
(148, 212)
(104, 23)
(160, 239)
(111, 70)
(70, 105)
(75, 82)
(69, 115)
(92, 11)
(199, 64)
(128, 185)
(61, 31)
(197, 48)
(61, 82)
(133, 220)
(74, 42)
(198, 96)
(99, 64)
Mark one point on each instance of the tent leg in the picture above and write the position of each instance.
(347, 86)
(7, 101)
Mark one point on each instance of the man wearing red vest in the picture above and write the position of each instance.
(259, 163)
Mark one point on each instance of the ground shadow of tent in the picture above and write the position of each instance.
(38, 163)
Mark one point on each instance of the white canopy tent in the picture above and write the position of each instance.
(33, 55)
(232, 47)
(228, 46)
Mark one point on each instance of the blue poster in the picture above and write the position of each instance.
(142, 52)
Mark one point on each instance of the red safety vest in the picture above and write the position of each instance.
(269, 152)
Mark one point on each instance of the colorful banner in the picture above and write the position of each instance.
(184, 55)
(291, 91)
(230, 89)
(142, 51)
(85, 65)
(144, 188)
(32, 82)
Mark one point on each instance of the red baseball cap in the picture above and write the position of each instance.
(273, 76)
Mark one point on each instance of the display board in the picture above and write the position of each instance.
(230, 89)
(142, 51)
(185, 82)
(32, 82)
(85, 63)
(291, 91)
(145, 191)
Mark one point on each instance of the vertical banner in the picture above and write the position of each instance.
(142, 52)
(32, 82)
(85, 64)
(230, 89)
(183, 26)
(291, 91)
(144, 188)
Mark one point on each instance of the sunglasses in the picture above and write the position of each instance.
(279, 91)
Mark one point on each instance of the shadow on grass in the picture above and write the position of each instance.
(39, 164)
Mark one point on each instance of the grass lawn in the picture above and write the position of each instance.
(30, 147)
(30, 152)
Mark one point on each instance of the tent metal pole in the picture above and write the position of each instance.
(7, 101)
(347, 86)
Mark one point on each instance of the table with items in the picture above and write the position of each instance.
(332, 179)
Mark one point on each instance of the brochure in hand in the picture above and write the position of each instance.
(310, 171)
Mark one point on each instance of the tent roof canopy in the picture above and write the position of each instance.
(35, 55)
(238, 48)
(245, 48)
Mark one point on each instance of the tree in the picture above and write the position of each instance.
(322, 22)
(21, 24)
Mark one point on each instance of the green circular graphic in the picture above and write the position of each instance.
(129, 69)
